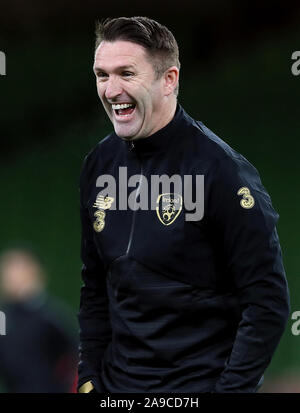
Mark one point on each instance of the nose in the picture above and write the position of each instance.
(113, 88)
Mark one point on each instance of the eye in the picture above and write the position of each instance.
(101, 75)
(126, 73)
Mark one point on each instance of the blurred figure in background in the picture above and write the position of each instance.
(38, 352)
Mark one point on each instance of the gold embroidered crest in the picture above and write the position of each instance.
(247, 201)
(102, 203)
(168, 207)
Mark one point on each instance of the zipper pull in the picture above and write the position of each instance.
(132, 146)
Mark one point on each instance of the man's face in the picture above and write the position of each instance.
(133, 98)
(20, 277)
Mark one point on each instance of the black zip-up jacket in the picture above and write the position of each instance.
(190, 306)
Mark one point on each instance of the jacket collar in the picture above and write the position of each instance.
(161, 139)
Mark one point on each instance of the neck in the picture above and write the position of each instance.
(170, 113)
(165, 116)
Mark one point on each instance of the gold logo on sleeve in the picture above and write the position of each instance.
(247, 201)
(102, 203)
(168, 207)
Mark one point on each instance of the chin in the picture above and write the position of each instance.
(125, 133)
(122, 134)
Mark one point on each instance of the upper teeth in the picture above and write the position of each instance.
(122, 106)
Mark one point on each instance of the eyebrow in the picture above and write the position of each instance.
(119, 68)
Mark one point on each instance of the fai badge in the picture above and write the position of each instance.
(168, 207)
(102, 203)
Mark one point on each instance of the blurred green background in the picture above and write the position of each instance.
(236, 77)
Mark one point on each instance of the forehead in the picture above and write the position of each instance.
(110, 55)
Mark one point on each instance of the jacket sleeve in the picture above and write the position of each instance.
(245, 222)
(93, 316)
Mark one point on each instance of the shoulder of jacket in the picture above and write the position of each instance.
(215, 150)
(102, 147)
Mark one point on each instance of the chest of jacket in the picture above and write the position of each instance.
(152, 209)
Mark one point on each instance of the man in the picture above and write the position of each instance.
(38, 352)
(171, 301)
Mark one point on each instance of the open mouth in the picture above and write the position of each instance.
(123, 109)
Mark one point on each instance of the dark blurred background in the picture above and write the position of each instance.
(236, 77)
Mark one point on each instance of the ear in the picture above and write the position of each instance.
(171, 77)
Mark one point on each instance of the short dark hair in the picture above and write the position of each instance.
(157, 39)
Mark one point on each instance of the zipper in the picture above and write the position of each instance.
(137, 194)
